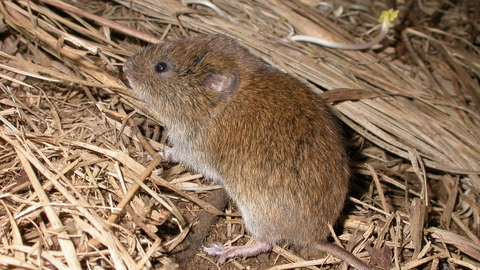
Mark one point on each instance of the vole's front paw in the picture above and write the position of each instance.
(167, 155)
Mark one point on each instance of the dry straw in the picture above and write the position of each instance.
(73, 193)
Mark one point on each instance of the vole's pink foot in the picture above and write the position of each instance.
(218, 249)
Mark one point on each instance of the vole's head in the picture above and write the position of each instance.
(189, 77)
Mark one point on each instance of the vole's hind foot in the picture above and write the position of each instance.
(218, 249)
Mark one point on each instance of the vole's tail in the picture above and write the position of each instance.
(342, 254)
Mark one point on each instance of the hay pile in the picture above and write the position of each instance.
(72, 158)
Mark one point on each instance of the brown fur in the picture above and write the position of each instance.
(271, 142)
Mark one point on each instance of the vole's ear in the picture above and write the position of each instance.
(222, 82)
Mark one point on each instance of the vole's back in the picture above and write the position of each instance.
(279, 153)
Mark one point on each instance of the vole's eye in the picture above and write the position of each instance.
(161, 67)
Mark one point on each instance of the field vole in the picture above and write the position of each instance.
(271, 142)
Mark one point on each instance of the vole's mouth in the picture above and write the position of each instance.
(136, 87)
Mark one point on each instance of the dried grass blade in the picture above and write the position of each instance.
(67, 246)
